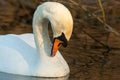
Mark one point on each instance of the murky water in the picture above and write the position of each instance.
(5, 76)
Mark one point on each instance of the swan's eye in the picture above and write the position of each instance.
(65, 44)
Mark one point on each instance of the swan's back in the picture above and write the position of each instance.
(16, 53)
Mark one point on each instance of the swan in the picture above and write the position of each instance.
(34, 54)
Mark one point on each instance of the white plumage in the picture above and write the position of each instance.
(29, 54)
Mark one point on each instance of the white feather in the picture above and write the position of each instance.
(29, 54)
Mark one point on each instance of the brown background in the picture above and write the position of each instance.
(93, 52)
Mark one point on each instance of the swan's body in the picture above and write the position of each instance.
(20, 55)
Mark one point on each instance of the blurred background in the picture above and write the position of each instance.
(94, 48)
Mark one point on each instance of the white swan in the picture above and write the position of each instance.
(19, 55)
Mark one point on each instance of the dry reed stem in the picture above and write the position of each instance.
(103, 12)
(107, 27)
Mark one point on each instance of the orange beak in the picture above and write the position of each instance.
(55, 47)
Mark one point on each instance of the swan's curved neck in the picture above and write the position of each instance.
(42, 40)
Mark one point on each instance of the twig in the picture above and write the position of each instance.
(107, 27)
(106, 46)
(103, 12)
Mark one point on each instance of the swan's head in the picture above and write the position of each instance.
(62, 26)
(61, 21)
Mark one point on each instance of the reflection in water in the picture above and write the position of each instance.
(5, 76)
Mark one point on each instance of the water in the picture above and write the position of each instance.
(5, 76)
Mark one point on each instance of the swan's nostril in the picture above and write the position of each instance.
(56, 46)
